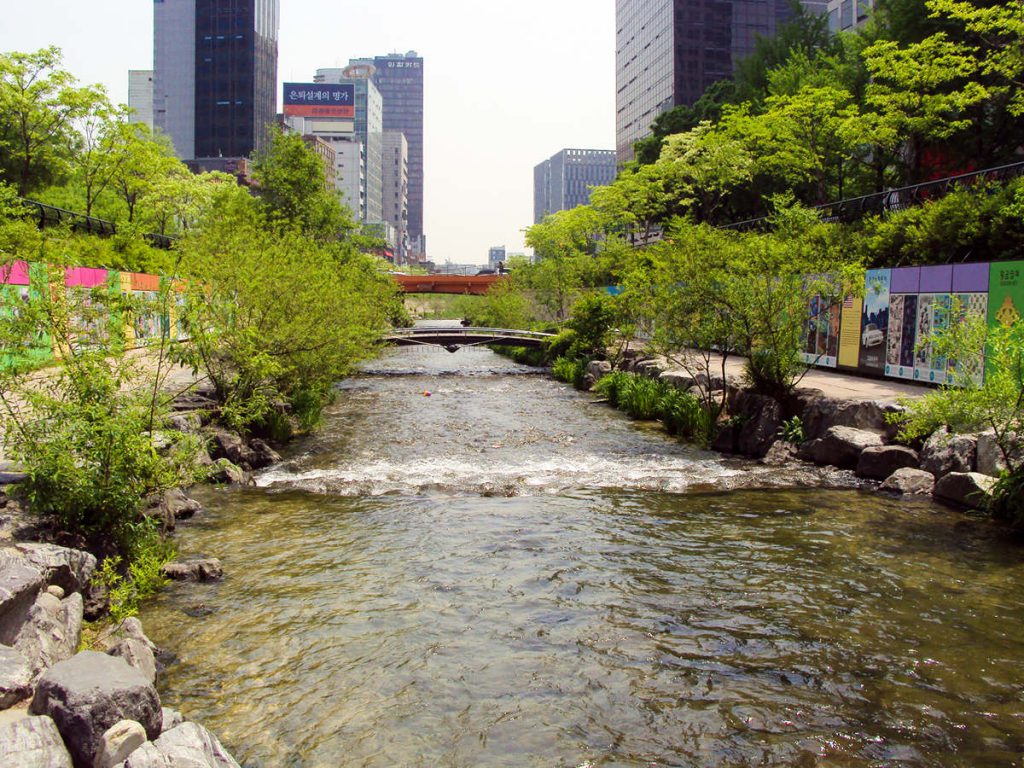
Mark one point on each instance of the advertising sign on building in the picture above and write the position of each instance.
(319, 100)
(874, 324)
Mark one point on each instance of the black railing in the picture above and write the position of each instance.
(879, 203)
(51, 216)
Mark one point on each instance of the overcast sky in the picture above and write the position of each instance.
(508, 84)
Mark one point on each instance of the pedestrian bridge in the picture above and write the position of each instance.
(476, 285)
(454, 338)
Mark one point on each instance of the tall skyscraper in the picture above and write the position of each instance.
(215, 74)
(399, 77)
(563, 181)
(667, 52)
(844, 15)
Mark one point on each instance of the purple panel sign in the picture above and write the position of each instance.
(970, 278)
(937, 279)
(905, 280)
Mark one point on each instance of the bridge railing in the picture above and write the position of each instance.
(441, 330)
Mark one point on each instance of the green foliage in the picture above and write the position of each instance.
(562, 345)
(293, 193)
(505, 305)
(570, 370)
(792, 431)
(611, 385)
(39, 103)
(128, 584)
(592, 320)
(683, 415)
(273, 315)
(982, 396)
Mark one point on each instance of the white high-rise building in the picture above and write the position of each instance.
(844, 15)
(396, 187)
(140, 96)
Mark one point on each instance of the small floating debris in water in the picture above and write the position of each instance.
(426, 394)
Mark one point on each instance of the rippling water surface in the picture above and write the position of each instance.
(504, 574)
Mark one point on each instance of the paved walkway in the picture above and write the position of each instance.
(839, 385)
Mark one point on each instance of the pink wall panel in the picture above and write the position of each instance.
(15, 273)
(84, 277)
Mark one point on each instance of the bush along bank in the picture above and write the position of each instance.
(75, 693)
(961, 470)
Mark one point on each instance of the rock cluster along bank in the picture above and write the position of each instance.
(958, 470)
(61, 706)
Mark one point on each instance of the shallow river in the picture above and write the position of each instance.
(503, 573)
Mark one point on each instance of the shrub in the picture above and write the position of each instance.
(792, 431)
(570, 371)
(641, 397)
(611, 386)
(1008, 498)
(127, 585)
(683, 415)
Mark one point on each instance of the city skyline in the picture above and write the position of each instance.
(489, 114)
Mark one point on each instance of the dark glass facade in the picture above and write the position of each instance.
(399, 78)
(235, 76)
(564, 181)
(667, 52)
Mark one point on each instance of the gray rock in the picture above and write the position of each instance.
(880, 461)
(225, 472)
(69, 569)
(52, 633)
(15, 677)
(172, 718)
(20, 584)
(230, 446)
(189, 745)
(89, 693)
(56, 591)
(944, 453)
(840, 447)
(118, 742)
(967, 489)
(190, 423)
(910, 482)
(171, 506)
(262, 455)
(33, 742)
(195, 569)
(129, 642)
(820, 413)
(779, 454)
(762, 422)
(598, 368)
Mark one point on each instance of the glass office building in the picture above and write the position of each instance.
(667, 52)
(563, 181)
(215, 75)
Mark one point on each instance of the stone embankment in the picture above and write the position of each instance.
(62, 706)
(852, 434)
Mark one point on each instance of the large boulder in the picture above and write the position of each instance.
(171, 506)
(880, 461)
(820, 413)
(966, 489)
(20, 583)
(761, 420)
(223, 471)
(910, 482)
(33, 742)
(89, 693)
(944, 453)
(69, 569)
(262, 455)
(840, 447)
(189, 746)
(15, 677)
(194, 569)
(53, 631)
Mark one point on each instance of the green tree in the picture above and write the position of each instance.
(39, 103)
(292, 189)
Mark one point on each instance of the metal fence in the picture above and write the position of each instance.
(879, 203)
(51, 216)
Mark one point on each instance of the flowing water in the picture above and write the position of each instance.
(472, 565)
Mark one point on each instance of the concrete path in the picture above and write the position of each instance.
(834, 384)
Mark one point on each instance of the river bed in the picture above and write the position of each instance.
(473, 565)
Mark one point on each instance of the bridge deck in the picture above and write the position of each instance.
(476, 285)
(452, 338)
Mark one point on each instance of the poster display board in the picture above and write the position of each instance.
(821, 333)
(874, 321)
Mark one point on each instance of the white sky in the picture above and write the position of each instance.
(508, 84)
